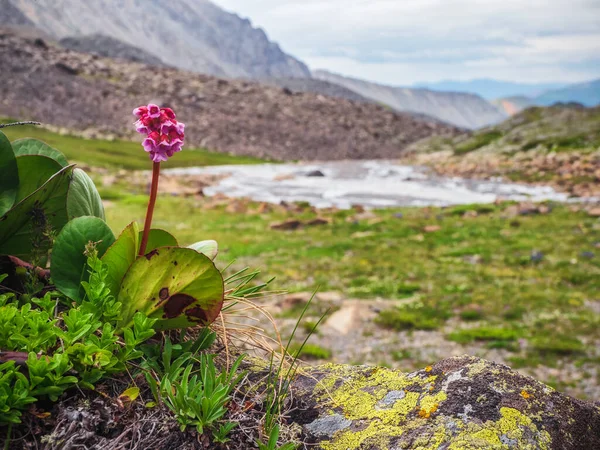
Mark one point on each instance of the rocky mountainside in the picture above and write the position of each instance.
(460, 109)
(108, 47)
(10, 15)
(194, 35)
(312, 85)
(83, 91)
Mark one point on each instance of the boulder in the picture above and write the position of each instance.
(458, 403)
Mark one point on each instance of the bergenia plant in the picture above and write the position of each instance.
(164, 137)
(147, 271)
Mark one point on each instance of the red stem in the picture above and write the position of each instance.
(150, 211)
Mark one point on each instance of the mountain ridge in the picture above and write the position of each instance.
(194, 35)
(491, 89)
(464, 110)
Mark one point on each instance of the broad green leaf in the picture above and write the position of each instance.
(83, 198)
(69, 263)
(47, 205)
(208, 248)
(9, 179)
(178, 286)
(29, 146)
(121, 255)
(159, 238)
(34, 171)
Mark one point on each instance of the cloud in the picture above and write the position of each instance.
(407, 41)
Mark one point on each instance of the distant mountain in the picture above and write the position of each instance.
(460, 109)
(492, 89)
(109, 47)
(587, 94)
(194, 35)
(512, 105)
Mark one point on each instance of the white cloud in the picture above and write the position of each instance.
(407, 41)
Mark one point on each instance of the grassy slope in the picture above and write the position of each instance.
(553, 129)
(118, 154)
(546, 302)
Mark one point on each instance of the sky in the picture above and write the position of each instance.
(402, 42)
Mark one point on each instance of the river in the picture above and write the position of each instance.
(371, 183)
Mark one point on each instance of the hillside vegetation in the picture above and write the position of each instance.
(118, 153)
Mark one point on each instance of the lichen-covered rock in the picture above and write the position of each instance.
(459, 403)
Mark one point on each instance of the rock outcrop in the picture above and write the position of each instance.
(459, 403)
(459, 109)
(81, 91)
(193, 35)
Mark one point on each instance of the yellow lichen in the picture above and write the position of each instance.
(359, 397)
(525, 394)
(376, 435)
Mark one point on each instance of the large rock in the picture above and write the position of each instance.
(459, 403)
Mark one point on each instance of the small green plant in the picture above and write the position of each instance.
(484, 334)
(189, 385)
(414, 316)
(310, 351)
(89, 348)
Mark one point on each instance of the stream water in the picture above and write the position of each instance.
(376, 184)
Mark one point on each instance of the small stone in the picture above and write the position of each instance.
(432, 228)
(315, 173)
(318, 221)
(588, 255)
(536, 256)
(594, 212)
(291, 224)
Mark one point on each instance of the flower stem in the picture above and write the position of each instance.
(150, 211)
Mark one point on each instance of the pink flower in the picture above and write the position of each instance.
(165, 135)
(153, 111)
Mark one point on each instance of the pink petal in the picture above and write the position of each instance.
(153, 111)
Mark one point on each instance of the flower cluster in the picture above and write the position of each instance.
(164, 134)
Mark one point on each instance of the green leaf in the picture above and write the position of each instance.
(159, 238)
(208, 248)
(9, 181)
(29, 146)
(47, 203)
(34, 171)
(69, 263)
(83, 198)
(130, 395)
(178, 286)
(121, 255)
